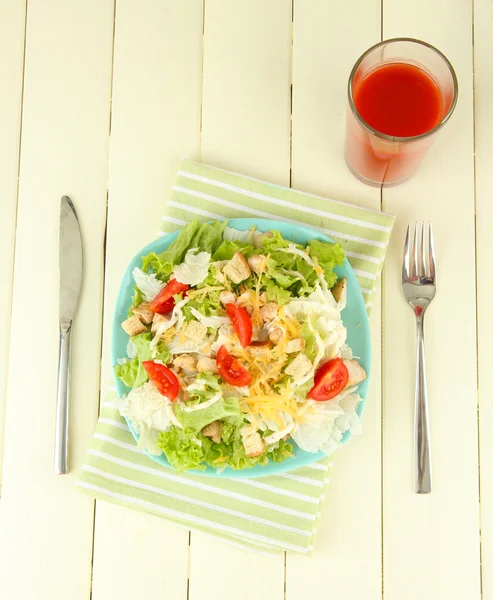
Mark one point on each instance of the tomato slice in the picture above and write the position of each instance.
(163, 378)
(164, 301)
(230, 369)
(330, 380)
(242, 323)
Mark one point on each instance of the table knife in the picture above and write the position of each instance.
(70, 265)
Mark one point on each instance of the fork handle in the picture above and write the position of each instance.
(422, 459)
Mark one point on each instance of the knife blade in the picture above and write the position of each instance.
(70, 266)
(70, 261)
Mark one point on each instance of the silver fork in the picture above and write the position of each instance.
(419, 287)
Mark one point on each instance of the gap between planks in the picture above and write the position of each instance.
(478, 407)
(6, 366)
(102, 390)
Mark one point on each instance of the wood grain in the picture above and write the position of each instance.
(349, 536)
(431, 542)
(46, 525)
(245, 128)
(12, 30)
(483, 48)
(155, 123)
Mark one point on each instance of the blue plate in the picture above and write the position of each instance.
(354, 317)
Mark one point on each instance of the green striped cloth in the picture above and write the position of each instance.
(267, 514)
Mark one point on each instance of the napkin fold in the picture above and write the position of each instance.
(268, 514)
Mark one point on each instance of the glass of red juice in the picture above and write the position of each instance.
(401, 93)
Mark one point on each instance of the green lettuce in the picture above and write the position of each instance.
(275, 293)
(329, 256)
(277, 274)
(162, 269)
(311, 348)
(211, 386)
(198, 419)
(270, 244)
(228, 249)
(301, 392)
(207, 237)
(132, 373)
(182, 448)
(137, 299)
(186, 449)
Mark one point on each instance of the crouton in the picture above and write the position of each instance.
(237, 268)
(226, 297)
(268, 312)
(339, 289)
(143, 312)
(276, 334)
(356, 372)
(195, 330)
(296, 345)
(260, 238)
(300, 366)
(213, 430)
(252, 442)
(133, 326)
(185, 362)
(206, 365)
(157, 319)
(257, 263)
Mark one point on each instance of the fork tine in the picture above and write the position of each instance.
(405, 258)
(422, 252)
(431, 252)
(414, 263)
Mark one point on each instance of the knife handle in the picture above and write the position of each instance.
(62, 404)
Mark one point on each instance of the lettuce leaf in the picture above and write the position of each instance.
(161, 269)
(132, 373)
(275, 293)
(204, 387)
(182, 448)
(186, 449)
(137, 299)
(277, 274)
(311, 348)
(207, 237)
(329, 256)
(228, 249)
(198, 419)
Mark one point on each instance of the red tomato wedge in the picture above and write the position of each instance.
(164, 301)
(242, 323)
(330, 380)
(230, 369)
(163, 378)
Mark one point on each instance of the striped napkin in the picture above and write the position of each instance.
(267, 514)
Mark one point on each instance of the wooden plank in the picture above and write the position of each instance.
(12, 30)
(46, 524)
(155, 123)
(245, 127)
(483, 49)
(246, 88)
(431, 542)
(349, 534)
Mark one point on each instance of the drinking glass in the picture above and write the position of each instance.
(381, 159)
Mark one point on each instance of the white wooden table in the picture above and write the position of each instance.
(100, 99)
